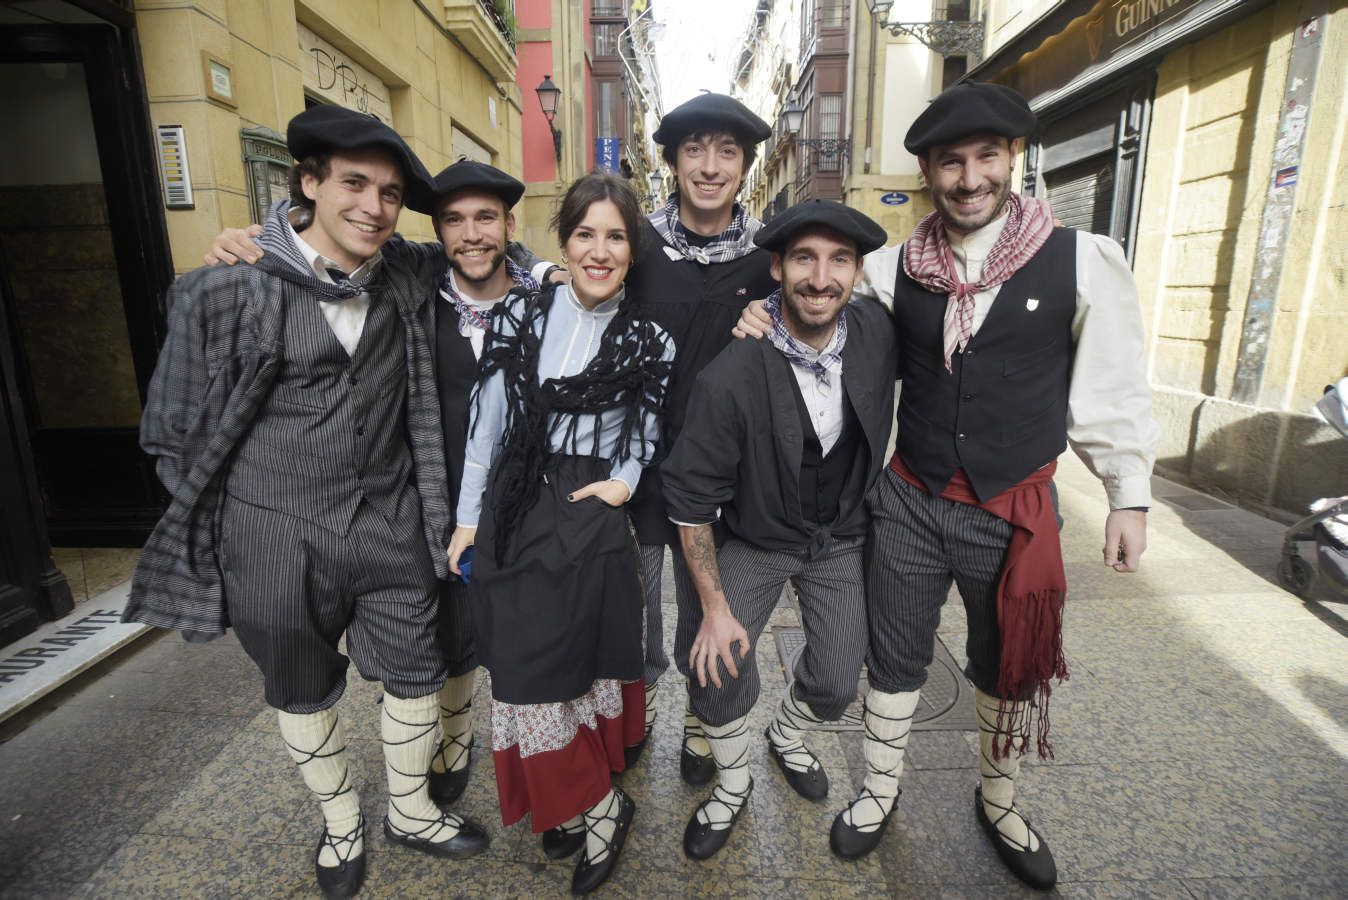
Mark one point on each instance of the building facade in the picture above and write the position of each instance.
(1207, 137)
(598, 54)
(138, 129)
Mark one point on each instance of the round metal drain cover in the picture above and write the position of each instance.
(946, 702)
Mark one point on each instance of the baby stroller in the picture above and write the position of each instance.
(1327, 526)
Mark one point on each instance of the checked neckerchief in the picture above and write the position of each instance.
(470, 315)
(736, 241)
(928, 260)
(823, 363)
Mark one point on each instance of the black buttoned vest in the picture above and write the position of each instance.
(331, 431)
(827, 478)
(455, 376)
(1002, 413)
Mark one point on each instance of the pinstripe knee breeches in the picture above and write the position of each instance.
(293, 588)
(919, 544)
(832, 612)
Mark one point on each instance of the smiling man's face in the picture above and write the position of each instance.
(474, 226)
(970, 179)
(356, 206)
(709, 169)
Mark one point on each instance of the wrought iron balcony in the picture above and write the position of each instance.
(950, 33)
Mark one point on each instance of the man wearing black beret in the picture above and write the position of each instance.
(698, 267)
(472, 213)
(471, 205)
(294, 418)
(1018, 338)
(783, 441)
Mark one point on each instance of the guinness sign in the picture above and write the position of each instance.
(1101, 38)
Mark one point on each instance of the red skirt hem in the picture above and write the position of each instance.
(557, 785)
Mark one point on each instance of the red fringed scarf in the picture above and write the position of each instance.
(928, 260)
(1029, 602)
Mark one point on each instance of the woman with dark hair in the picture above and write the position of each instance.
(570, 389)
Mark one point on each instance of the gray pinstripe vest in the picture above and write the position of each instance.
(331, 430)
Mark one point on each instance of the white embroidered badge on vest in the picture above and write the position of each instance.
(1032, 304)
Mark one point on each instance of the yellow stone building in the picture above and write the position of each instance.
(1207, 136)
(136, 130)
(441, 74)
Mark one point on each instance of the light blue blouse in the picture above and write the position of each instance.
(570, 341)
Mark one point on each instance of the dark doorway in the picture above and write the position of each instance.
(84, 264)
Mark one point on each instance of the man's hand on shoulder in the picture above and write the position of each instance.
(234, 244)
(754, 321)
(1125, 539)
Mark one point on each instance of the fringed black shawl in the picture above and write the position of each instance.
(628, 372)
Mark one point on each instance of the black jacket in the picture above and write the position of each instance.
(697, 305)
(740, 449)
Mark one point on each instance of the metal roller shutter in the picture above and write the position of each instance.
(1082, 194)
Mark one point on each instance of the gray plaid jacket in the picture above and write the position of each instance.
(224, 349)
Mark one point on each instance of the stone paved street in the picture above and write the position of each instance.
(1202, 751)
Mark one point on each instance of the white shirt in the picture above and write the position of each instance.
(824, 401)
(346, 318)
(476, 333)
(1109, 421)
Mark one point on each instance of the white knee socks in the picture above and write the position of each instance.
(999, 778)
(407, 728)
(318, 747)
(729, 744)
(456, 723)
(887, 720)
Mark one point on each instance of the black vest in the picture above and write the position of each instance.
(825, 479)
(1002, 413)
(455, 375)
(331, 431)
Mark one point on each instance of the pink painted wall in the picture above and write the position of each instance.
(535, 61)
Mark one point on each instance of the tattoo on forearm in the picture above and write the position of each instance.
(701, 552)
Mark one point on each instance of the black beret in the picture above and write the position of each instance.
(968, 108)
(775, 235)
(711, 112)
(469, 173)
(323, 129)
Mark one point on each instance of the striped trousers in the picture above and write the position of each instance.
(832, 613)
(919, 543)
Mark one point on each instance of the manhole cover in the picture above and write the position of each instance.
(946, 703)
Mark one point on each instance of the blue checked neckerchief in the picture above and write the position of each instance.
(470, 315)
(279, 238)
(736, 241)
(822, 364)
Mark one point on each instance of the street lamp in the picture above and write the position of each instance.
(548, 95)
(657, 182)
(793, 117)
(944, 36)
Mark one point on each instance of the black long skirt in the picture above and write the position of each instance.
(565, 608)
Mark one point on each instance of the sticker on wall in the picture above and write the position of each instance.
(1285, 177)
(894, 198)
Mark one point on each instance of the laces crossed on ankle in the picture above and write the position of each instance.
(996, 823)
(336, 842)
(868, 797)
(611, 813)
(720, 809)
